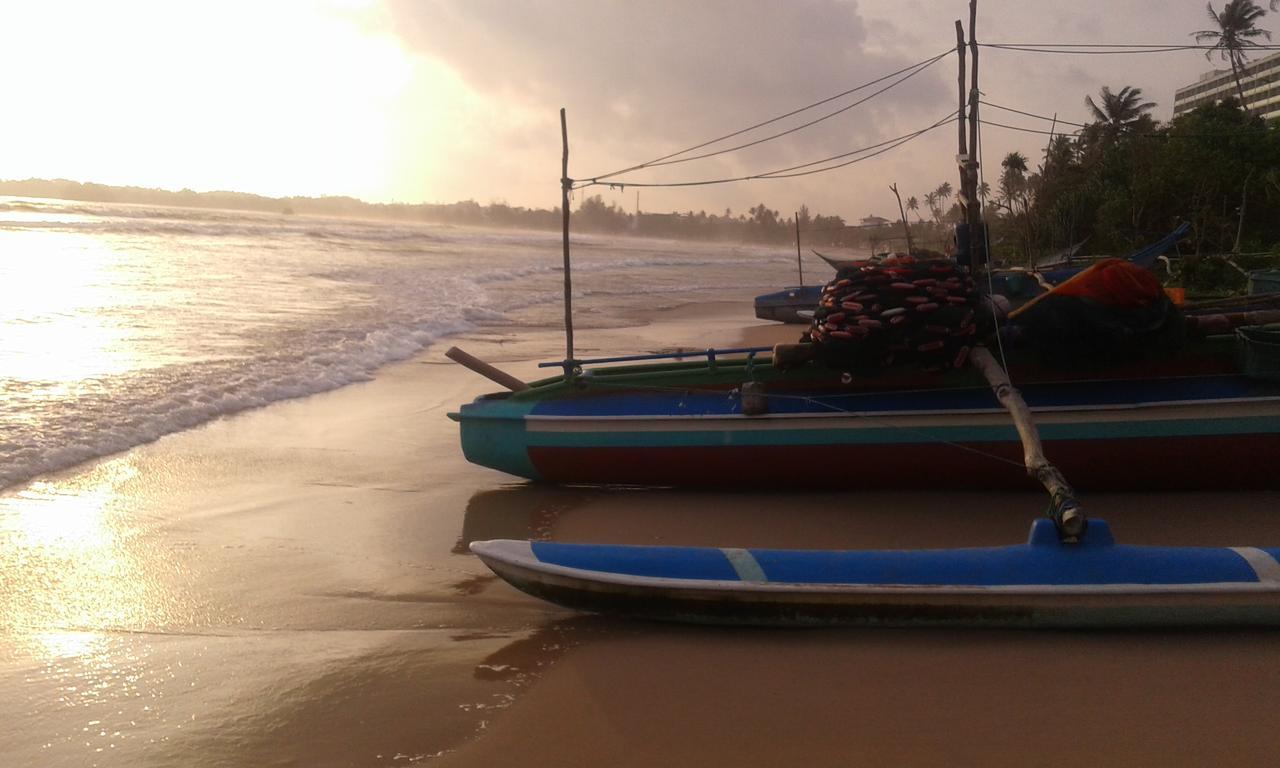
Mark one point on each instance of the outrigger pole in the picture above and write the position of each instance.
(1067, 514)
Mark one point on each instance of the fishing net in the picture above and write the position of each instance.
(900, 311)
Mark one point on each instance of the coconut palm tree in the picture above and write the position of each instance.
(1119, 111)
(931, 200)
(914, 205)
(1237, 30)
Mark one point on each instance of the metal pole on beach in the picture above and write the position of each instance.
(566, 184)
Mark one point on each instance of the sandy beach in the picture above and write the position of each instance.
(291, 586)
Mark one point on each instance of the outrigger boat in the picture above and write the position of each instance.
(1070, 573)
(739, 418)
(922, 397)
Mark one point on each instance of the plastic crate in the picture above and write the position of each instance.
(1264, 281)
(1258, 351)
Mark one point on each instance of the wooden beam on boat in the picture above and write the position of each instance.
(1067, 514)
(1226, 322)
(484, 369)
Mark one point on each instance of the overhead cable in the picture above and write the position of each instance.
(916, 67)
(786, 173)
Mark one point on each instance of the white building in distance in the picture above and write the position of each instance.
(1260, 81)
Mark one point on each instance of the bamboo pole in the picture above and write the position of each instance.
(566, 184)
(1067, 514)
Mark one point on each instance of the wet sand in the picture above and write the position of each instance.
(291, 586)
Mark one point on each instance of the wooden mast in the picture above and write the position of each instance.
(969, 192)
(566, 184)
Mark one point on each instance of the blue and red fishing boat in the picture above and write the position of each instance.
(1193, 420)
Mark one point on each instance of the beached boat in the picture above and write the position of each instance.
(789, 305)
(735, 419)
(1088, 582)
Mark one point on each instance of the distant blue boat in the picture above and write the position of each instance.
(1044, 583)
(785, 306)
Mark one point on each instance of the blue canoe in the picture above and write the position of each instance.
(1043, 583)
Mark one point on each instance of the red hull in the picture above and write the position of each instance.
(1233, 462)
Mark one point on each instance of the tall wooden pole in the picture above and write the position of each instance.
(960, 114)
(566, 184)
(799, 263)
(974, 211)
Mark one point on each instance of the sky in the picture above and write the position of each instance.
(445, 100)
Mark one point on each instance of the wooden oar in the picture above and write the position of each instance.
(1067, 514)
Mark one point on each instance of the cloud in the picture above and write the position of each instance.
(645, 78)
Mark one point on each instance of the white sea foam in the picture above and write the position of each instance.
(126, 323)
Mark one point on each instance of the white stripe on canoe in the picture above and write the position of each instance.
(879, 419)
(1262, 563)
(744, 563)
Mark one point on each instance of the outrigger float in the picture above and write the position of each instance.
(1092, 582)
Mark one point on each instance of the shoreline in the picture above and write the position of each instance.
(291, 584)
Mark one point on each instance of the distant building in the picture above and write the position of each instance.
(874, 221)
(1260, 81)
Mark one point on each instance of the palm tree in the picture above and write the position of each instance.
(1013, 179)
(1119, 111)
(914, 205)
(944, 191)
(931, 200)
(1236, 31)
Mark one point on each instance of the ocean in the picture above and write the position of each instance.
(122, 323)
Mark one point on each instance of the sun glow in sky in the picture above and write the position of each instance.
(447, 100)
(276, 97)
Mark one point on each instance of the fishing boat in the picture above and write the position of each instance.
(789, 305)
(1087, 582)
(740, 418)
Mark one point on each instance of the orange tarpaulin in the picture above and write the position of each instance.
(1111, 282)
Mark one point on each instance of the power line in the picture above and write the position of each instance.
(1109, 49)
(920, 64)
(786, 173)
(986, 103)
(984, 121)
(1164, 135)
(828, 116)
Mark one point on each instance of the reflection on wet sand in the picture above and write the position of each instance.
(518, 511)
(77, 560)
